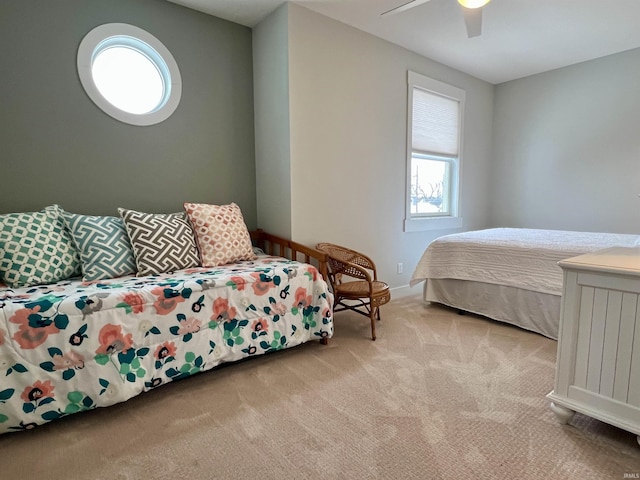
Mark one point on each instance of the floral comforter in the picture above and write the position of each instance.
(74, 345)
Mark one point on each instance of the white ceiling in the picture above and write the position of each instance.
(519, 37)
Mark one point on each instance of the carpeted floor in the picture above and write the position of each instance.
(436, 396)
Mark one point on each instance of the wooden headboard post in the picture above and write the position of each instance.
(278, 246)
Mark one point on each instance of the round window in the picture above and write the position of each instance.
(129, 74)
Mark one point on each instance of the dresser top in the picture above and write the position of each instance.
(615, 260)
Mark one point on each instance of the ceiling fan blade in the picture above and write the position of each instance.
(404, 6)
(473, 20)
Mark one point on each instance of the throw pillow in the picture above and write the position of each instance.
(161, 243)
(36, 248)
(103, 244)
(221, 233)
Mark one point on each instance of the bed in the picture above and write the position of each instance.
(76, 345)
(507, 274)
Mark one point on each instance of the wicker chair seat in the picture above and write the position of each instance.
(360, 289)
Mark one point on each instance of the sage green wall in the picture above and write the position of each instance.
(58, 147)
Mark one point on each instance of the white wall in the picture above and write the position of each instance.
(556, 150)
(271, 118)
(567, 148)
(348, 107)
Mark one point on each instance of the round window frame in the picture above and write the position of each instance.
(122, 34)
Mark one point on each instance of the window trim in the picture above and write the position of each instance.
(122, 34)
(412, 222)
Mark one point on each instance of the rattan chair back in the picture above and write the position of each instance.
(344, 261)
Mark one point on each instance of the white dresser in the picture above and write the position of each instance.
(598, 364)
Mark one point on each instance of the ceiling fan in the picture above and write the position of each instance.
(471, 9)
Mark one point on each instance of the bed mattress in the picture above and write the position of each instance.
(515, 257)
(74, 345)
(507, 274)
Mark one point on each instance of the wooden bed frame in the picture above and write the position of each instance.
(279, 246)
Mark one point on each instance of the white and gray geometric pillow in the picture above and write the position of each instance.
(36, 248)
(162, 243)
(103, 243)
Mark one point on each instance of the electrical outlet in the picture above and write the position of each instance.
(400, 268)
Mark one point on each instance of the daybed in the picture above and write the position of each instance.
(75, 345)
(507, 274)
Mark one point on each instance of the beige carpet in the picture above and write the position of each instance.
(437, 396)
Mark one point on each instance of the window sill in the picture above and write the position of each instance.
(433, 223)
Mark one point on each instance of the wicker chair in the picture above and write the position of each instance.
(366, 289)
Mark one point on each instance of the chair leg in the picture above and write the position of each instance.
(373, 324)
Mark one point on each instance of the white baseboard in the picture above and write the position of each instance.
(406, 291)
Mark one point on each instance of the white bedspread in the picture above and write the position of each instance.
(516, 257)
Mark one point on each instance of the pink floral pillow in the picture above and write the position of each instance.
(221, 233)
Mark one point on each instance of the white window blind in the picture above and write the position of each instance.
(435, 117)
(435, 123)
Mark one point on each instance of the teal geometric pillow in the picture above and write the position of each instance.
(67, 245)
(36, 248)
(105, 251)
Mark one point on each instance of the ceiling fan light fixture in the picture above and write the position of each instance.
(473, 3)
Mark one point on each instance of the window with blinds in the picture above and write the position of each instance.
(433, 163)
